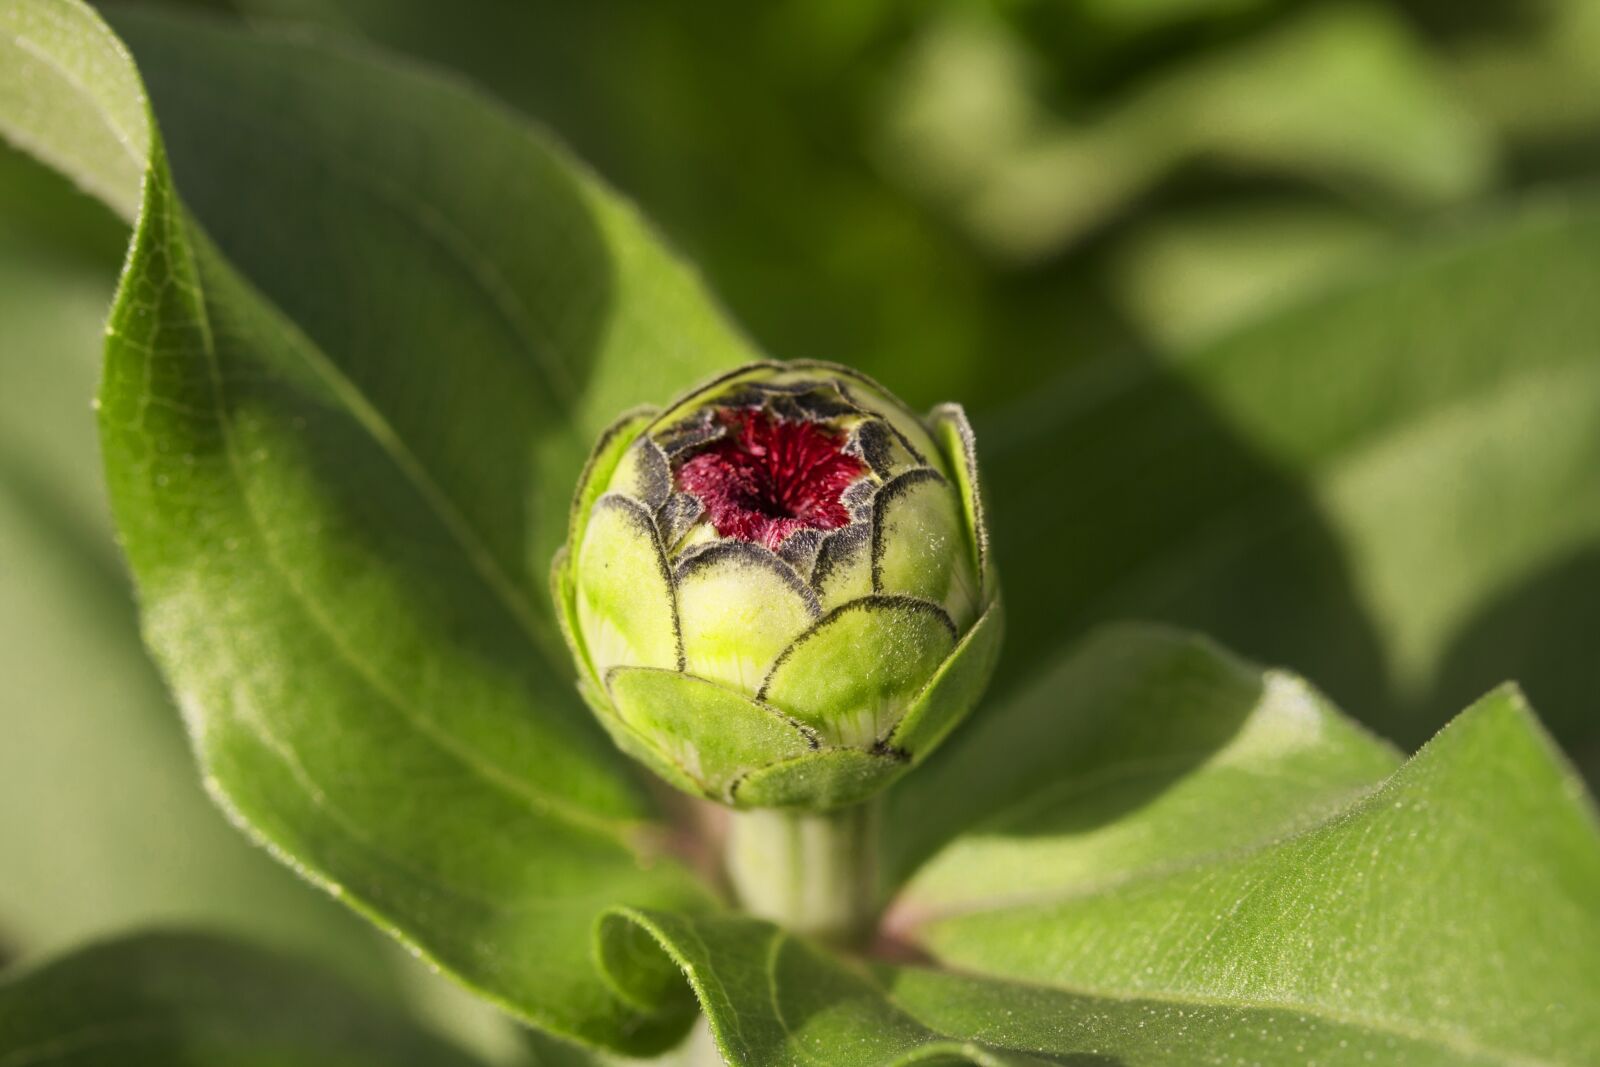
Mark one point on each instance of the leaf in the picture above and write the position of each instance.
(1143, 747)
(1343, 94)
(1353, 486)
(1190, 277)
(168, 1000)
(776, 1000)
(102, 823)
(69, 96)
(1458, 903)
(773, 999)
(739, 130)
(341, 424)
(1321, 906)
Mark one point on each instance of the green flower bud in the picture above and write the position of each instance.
(779, 590)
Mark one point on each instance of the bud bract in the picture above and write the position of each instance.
(779, 590)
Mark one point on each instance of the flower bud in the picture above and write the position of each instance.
(779, 591)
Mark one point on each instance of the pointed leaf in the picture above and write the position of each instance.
(103, 823)
(1459, 901)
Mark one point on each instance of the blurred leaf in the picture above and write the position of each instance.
(1345, 486)
(1341, 95)
(340, 468)
(1188, 277)
(70, 97)
(1317, 907)
(1540, 85)
(1147, 14)
(181, 1000)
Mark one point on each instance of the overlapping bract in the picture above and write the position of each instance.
(779, 590)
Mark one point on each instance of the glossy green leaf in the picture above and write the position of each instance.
(103, 824)
(677, 100)
(1189, 860)
(183, 1000)
(775, 1000)
(340, 447)
(1142, 747)
(70, 96)
(1458, 904)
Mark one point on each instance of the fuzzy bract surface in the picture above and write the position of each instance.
(778, 590)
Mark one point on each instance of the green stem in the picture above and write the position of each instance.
(813, 873)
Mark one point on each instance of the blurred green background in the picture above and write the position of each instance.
(1275, 319)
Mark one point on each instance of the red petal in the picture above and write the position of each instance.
(771, 476)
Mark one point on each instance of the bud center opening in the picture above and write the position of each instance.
(770, 476)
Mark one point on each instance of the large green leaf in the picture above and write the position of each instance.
(775, 1000)
(342, 413)
(104, 825)
(1221, 869)
(1364, 486)
(102, 822)
(182, 1000)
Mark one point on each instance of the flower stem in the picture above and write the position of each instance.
(812, 873)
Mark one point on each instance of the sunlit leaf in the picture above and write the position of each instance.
(103, 824)
(1220, 868)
